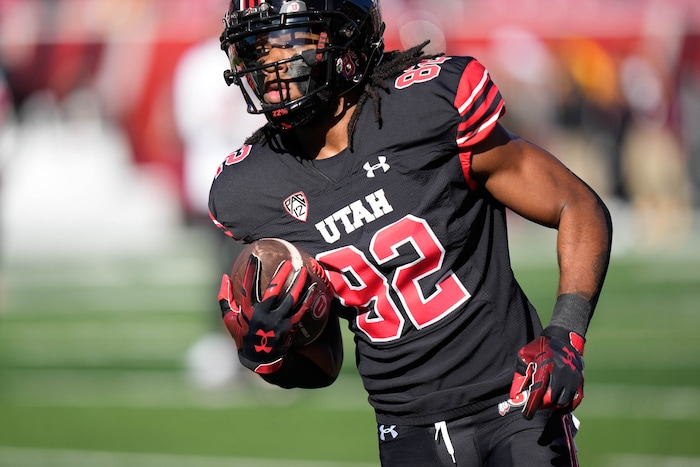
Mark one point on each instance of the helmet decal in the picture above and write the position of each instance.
(347, 65)
(293, 6)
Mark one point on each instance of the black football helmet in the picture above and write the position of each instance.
(336, 43)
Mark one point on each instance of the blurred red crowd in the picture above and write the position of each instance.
(127, 50)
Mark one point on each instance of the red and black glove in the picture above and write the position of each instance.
(549, 372)
(263, 323)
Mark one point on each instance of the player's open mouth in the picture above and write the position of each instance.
(274, 93)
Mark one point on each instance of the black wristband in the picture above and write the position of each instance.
(572, 312)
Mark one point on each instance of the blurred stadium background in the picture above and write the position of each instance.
(113, 118)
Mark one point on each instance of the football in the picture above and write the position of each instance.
(271, 252)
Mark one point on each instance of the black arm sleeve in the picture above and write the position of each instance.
(300, 371)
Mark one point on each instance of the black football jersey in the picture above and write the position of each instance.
(415, 249)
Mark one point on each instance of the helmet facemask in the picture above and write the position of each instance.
(279, 88)
(314, 62)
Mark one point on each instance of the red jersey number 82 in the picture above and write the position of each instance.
(359, 284)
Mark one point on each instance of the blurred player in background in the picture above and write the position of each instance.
(210, 120)
(393, 170)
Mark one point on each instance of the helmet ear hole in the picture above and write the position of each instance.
(348, 30)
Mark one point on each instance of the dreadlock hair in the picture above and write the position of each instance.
(393, 64)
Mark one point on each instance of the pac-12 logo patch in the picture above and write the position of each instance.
(297, 206)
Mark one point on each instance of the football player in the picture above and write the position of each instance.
(393, 170)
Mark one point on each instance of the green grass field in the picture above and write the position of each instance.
(92, 372)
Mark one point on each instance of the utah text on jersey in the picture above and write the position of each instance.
(354, 215)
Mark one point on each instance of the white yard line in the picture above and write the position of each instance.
(31, 457)
(637, 460)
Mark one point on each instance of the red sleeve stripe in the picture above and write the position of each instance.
(477, 135)
(221, 226)
(475, 92)
(485, 104)
(479, 104)
(465, 160)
